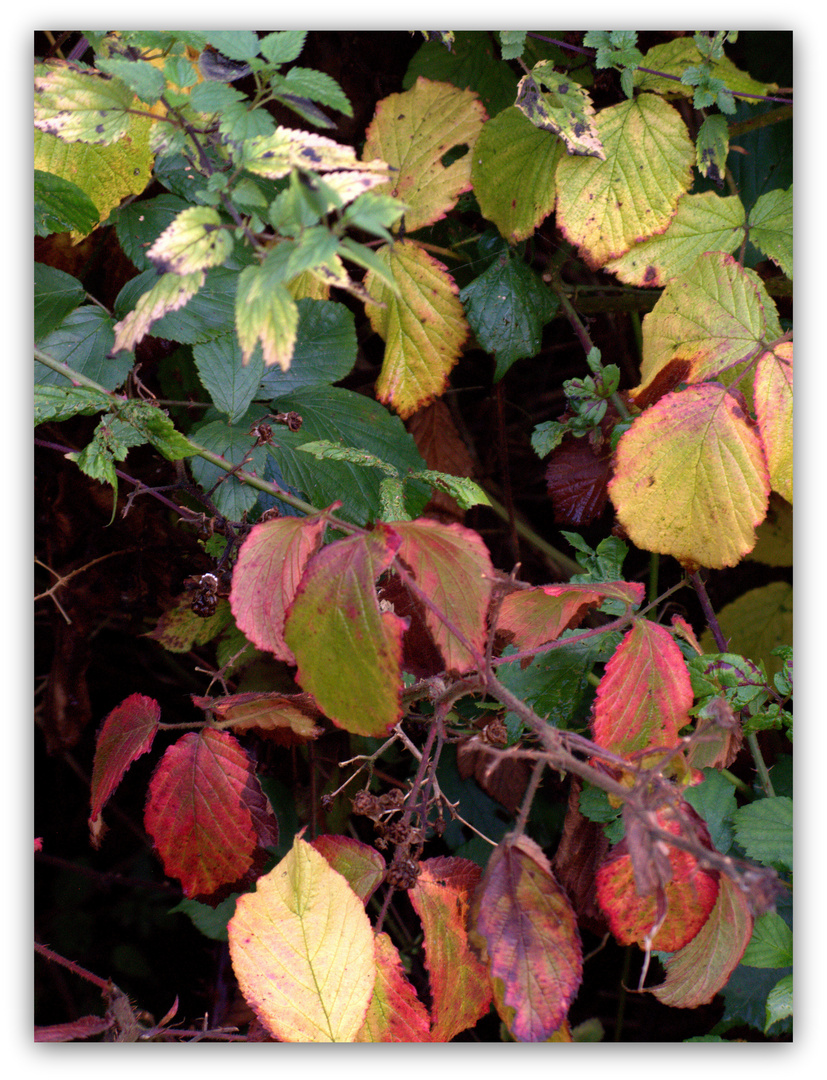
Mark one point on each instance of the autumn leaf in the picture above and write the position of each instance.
(291, 718)
(301, 948)
(604, 207)
(347, 650)
(756, 622)
(413, 132)
(645, 694)
(525, 925)
(267, 573)
(423, 326)
(695, 973)
(170, 292)
(359, 864)
(460, 993)
(206, 814)
(691, 478)
(194, 241)
(82, 106)
(395, 1013)
(774, 408)
(553, 101)
(266, 312)
(532, 617)
(286, 149)
(127, 733)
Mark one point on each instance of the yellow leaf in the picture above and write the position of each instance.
(774, 408)
(301, 947)
(606, 206)
(423, 327)
(691, 478)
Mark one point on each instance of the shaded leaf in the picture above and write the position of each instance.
(61, 206)
(290, 717)
(524, 922)
(757, 622)
(764, 829)
(577, 478)
(171, 292)
(302, 950)
(771, 227)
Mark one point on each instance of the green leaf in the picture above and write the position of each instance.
(55, 403)
(714, 799)
(84, 340)
(771, 227)
(779, 1002)
(512, 43)
(139, 224)
(764, 829)
(712, 148)
(55, 295)
(231, 384)
(771, 944)
(325, 349)
(472, 64)
(155, 427)
(464, 490)
(61, 206)
(236, 44)
(266, 312)
(234, 444)
(168, 293)
(507, 307)
(315, 85)
(80, 105)
(282, 46)
(145, 80)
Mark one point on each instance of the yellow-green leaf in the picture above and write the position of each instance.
(265, 311)
(756, 623)
(413, 132)
(774, 408)
(170, 293)
(423, 327)
(301, 947)
(771, 227)
(691, 478)
(604, 207)
(555, 102)
(276, 155)
(711, 316)
(704, 222)
(674, 57)
(513, 172)
(194, 241)
(82, 105)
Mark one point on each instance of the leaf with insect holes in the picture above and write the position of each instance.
(302, 950)
(681, 891)
(422, 324)
(267, 573)
(288, 719)
(127, 733)
(348, 651)
(524, 924)
(604, 207)
(774, 408)
(395, 1013)
(698, 971)
(171, 292)
(194, 241)
(206, 813)
(413, 132)
(645, 694)
(451, 565)
(691, 478)
(460, 991)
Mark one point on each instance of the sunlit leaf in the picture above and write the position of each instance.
(691, 478)
(266, 312)
(301, 947)
(275, 155)
(771, 227)
(555, 102)
(774, 408)
(395, 1013)
(194, 241)
(81, 105)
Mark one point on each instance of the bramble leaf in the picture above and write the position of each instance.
(194, 241)
(171, 292)
(771, 227)
(691, 478)
(423, 327)
(525, 925)
(301, 947)
(604, 207)
(774, 409)
(289, 719)
(359, 864)
(276, 155)
(81, 105)
(413, 132)
(555, 102)
(266, 312)
(764, 829)
(395, 1013)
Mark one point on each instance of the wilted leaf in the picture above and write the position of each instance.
(203, 799)
(524, 922)
(395, 1013)
(302, 950)
(774, 408)
(460, 993)
(180, 629)
(423, 327)
(266, 575)
(691, 478)
(348, 651)
(413, 132)
(127, 732)
(604, 207)
(645, 694)
(696, 973)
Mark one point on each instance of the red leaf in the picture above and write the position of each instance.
(531, 617)
(687, 899)
(288, 718)
(359, 864)
(206, 813)
(126, 734)
(395, 1013)
(460, 993)
(82, 1028)
(451, 565)
(577, 479)
(645, 694)
(526, 925)
(270, 566)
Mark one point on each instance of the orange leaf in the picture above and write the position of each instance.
(206, 813)
(302, 947)
(530, 935)
(774, 408)
(460, 993)
(127, 732)
(538, 615)
(696, 973)
(645, 694)
(266, 575)
(289, 717)
(395, 1013)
